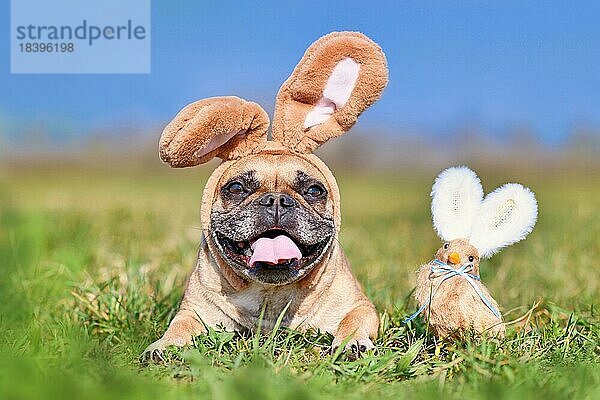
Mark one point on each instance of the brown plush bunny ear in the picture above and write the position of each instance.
(224, 127)
(339, 76)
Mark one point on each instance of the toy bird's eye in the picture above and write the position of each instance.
(446, 245)
(471, 258)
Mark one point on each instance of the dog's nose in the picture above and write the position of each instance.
(277, 199)
(268, 200)
(277, 203)
(286, 201)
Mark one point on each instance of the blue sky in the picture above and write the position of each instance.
(497, 64)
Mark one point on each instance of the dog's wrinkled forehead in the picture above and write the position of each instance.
(273, 172)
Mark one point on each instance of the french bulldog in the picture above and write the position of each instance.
(270, 213)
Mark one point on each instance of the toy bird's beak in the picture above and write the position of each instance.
(454, 258)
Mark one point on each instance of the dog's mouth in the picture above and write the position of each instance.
(273, 256)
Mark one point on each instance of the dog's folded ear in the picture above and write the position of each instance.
(224, 127)
(339, 77)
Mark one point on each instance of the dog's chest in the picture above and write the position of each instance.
(255, 300)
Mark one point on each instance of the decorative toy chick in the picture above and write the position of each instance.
(449, 290)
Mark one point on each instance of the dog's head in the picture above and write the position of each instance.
(272, 217)
(271, 211)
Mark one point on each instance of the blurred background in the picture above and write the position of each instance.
(491, 83)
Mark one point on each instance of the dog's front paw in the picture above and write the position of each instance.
(156, 351)
(355, 348)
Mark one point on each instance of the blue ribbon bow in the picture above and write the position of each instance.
(448, 272)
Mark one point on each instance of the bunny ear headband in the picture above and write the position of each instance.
(340, 76)
(505, 216)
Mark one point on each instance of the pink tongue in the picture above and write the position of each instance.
(274, 251)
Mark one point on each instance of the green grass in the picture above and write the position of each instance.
(94, 263)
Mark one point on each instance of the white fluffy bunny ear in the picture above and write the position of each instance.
(456, 198)
(506, 216)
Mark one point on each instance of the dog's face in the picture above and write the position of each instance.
(272, 218)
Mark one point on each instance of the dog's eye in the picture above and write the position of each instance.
(315, 191)
(446, 245)
(235, 188)
(471, 258)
